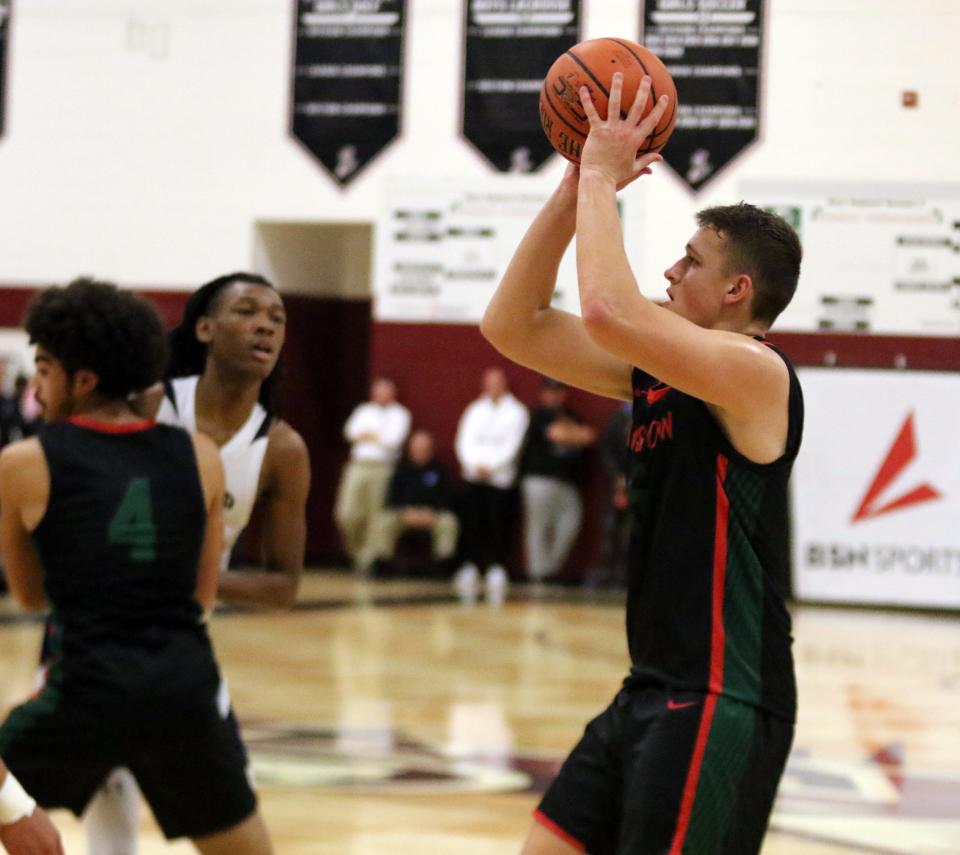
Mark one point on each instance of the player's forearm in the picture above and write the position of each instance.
(272, 590)
(530, 279)
(609, 297)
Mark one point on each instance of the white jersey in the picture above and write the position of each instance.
(242, 455)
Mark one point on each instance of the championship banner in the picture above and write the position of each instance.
(713, 49)
(4, 30)
(510, 44)
(347, 80)
(876, 489)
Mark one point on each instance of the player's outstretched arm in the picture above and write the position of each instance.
(284, 527)
(24, 828)
(731, 371)
(24, 491)
(213, 482)
(522, 325)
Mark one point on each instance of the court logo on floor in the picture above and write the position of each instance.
(373, 759)
(877, 805)
(869, 806)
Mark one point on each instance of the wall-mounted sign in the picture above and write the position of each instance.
(510, 45)
(876, 489)
(880, 258)
(713, 50)
(347, 80)
(441, 248)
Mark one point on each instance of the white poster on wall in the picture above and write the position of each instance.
(879, 258)
(876, 489)
(442, 247)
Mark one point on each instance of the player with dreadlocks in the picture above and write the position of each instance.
(222, 381)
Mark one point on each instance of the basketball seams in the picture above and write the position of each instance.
(604, 53)
(590, 74)
(559, 115)
(640, 62)
(653, 91)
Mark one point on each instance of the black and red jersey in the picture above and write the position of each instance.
(709, 558)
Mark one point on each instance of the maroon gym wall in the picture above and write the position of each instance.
(325, 375)
(333, 349)
(438, 367)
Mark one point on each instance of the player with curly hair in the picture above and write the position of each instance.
(116, 521)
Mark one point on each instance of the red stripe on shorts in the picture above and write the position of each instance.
(550, 825)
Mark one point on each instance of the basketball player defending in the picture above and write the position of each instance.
(117, 521)
(688, 756)
(223, 383)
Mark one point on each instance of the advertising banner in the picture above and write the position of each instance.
(876, 489)
(347, 80)
(713, 50)
(510, 45)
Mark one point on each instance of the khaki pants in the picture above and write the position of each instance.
(387, 525)
(361, 494)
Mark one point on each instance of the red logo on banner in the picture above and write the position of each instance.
(903, 450)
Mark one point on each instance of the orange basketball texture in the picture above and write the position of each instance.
(592, 64)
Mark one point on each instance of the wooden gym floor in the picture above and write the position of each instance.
(385, 717)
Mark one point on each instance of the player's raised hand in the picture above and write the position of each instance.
(612, 144)
(31, 835)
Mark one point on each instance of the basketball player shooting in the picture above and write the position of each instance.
(688, 756)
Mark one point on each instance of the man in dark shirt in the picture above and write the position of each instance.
(552, 507)
(418, 497)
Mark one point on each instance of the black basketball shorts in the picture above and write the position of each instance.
(670, 773)
(190, 763)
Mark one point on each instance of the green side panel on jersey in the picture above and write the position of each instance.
(743, 590)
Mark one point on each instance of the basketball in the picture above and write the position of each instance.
(592, 63)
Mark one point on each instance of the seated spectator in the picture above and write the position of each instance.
(418, 498)
(489, 437)
(552, 507)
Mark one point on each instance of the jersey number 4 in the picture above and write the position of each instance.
(132, 525)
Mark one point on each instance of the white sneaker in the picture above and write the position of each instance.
(466, 582)
(496, 583)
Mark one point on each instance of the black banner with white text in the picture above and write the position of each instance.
(347, 80)
(509, 46)
(713, 50)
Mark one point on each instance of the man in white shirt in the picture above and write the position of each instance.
(376, 431)
(489, 437)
